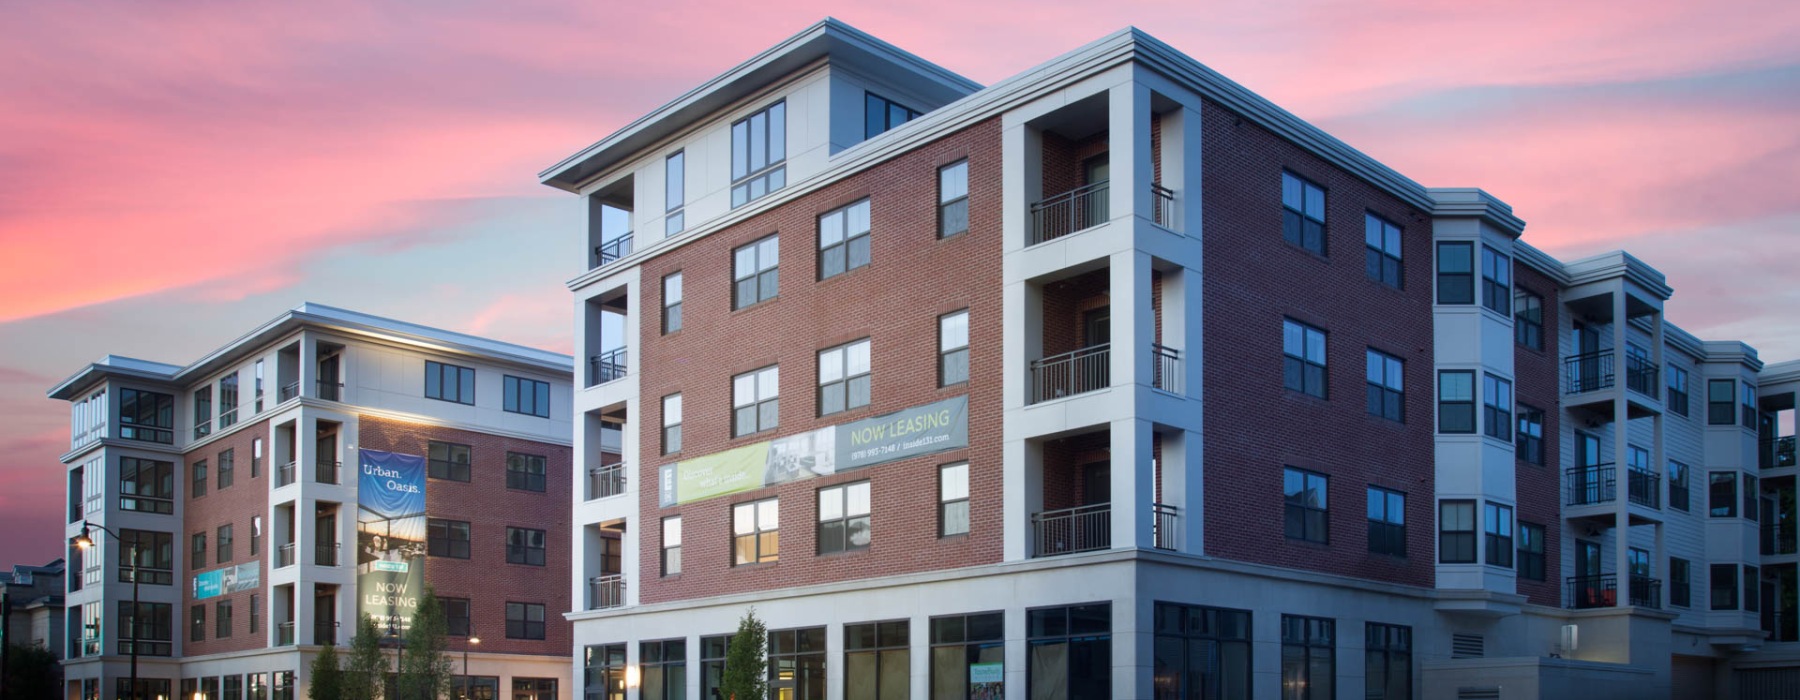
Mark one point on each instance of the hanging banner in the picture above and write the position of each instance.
(231, 579)
(921, 430)
(390, 538)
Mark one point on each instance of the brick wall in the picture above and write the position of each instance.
(1536, 382)
(236, 505)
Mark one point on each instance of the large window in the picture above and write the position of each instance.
(1202, 652)
(1303, 357)
(756, 273)
(844, 239)
(202, 412)
(1678, 390)
(1308, 658)
(1531, 551)
(881, 114)
(844, 518)
(526, 472)
(527, 396)
(671, 546)
(674, 193)
(1387, 521)
(1498, 529)
(1387, 662)
(953, 348)
(671, 424)
(446, 382)
(1679, 490)
(1305, 514)
(146, 486)
(1721, 494)
(1496, 403)
(604, 671)
(155, 557)
(1724, 587)
(1302, 213)
(1455, 273)
(797, 662)
(953, 499)
(1381, 239)
(712, 665)
(968, 656)
(877, 661)
(1456, 532)
(151, 629)
(146, 416)
(664, 669)
(755, 532)
(1456, 401)
(1529, 443)
(1528, 319)
(524, 620)
(758, 154)
(524, 546)
(1496, 281)
(756, 401)
(953, 199)
(447, 538)
(456, 616)
(671, 303)
(1069, 652)
(1387, 386)
(844, 377)
(1719, 407)
(447, 460)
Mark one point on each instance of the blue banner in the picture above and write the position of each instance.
(390, 538)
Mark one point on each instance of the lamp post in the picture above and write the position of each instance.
(85, 541)
(473, 641)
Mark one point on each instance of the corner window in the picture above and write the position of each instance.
(1386, 391)
(755, 532)
(755, 275)
(671, 546)
(1305, 494)
(881, 114)
(674, 193)
(146, 486)
(671, 424)
(447, 460)
(1303, 358)
(953, 348)
(1496, 407)
(527, 396)
(671, 299)
(446, 382)
(844, 518)
(1302, 213)
(1529, 444)
(1387, 521)
(146, 416)
(1456, 401)
(844, 377)
(1528, 319)
(953, 199)
(1496, 281)
(1456, 532)
(758, 154)
(1455, 273)
(1719, 407)
(1499, 532)
(1381, 239)
(844, 240)
(756, 401)
(953, 499)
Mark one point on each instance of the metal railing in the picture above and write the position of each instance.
(327, 472)
(606, 591)
(284, 634)
(1646, 592)
(1165, 368)
(1777, 452)
(1165, 526)
(331, 390)
(1781, 625)
(606, 480)
(1075, 210)
(1162, 205)
(1644, 488)
(288, 391)
(1643, 377)
(606, 366)
(1590, 485)
(284, 474)
(1777, 537)
(1070, 373)
(1593, 591)
(284, 555)
(1588, 372)
(325, 632)
(614, 249)
(1071, 530)
(326, 553)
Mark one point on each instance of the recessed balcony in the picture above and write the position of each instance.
(1590, 592)
(606, 481)
(1071, 373)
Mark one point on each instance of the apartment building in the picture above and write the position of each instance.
(246, 509)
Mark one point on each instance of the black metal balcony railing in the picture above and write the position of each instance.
(1162, 205)
(1777, 536)
(327, 472)
(1588, 372)
(1071, 530)
(284, 555)
(1075, 210)
(606, 480)
(1070, 373)
(1643, 376)
(606, 591)
(1644, 488)
(614, 249)
(1165, 367)
(1165, 526)
(326, 553)
(284, 474)
(288, 391)
(1777, 452)
(331, 390)
(1781, 625)
(1593, 591)
(284, 634)
(1646, 592)
(1590, 485)
(606, 366)
(325, 632)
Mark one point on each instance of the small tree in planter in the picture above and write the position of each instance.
(746, 669)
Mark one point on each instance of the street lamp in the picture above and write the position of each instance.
(473, 641)
(84, 541)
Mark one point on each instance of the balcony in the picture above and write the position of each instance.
(1644, 488)
(606, 366)
(1777, 537)
(284, 555)
(1588, 372)
(284, 474)
(1071, 530)
(606, 592)
(325, 632)
(1646, 592)
(1078, 209)
(326, 553)
(1165, 367)
(606, 481)
(1165, 526)
(607, 252)
(1162, 205)
(1071, 373)
(1777, 452)
(1781, 626)
(331, 390)
(1643, 377)
(1590, 485)
(288, 391)
(284, 634)
(1590, 592)
(327, 472)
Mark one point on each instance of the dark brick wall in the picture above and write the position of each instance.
(235, 505)
(1536, 382)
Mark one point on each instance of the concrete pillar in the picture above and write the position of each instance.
(1024, 495)
(1184, 486)
(1133, 319)
(1133, 483)
(1621, 472)
(1128, 148)
(1021, 182)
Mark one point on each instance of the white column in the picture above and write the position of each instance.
(1021, 182)
(1023, 496)
(1621, 451)
(1133, 319)
(1128, 148)
(1133, 483)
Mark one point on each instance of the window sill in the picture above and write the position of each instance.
(754, 565)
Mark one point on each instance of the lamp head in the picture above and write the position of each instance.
(83, 540)
(475, 640)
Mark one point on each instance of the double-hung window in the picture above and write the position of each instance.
(953, 199)
(1302, 213)
(1529, 443)
(1724, 587)
(953, 348)
(674, 193)
(758, 154)
(755, 532)
(1456, 401)
(756, 401)
(1498, 521)
(1456, 532)
(524, 620)
(755, 272)
(1747, 405)
(844, 239)
(1387, 521)
(199, 487)
(844, 377)
(671, 301)
(671, 422)
(447, 382)
(844, 518)
(1382, 256)
(1721, 494)
(527, 396)
(1531, 551)
(1496, 402)
(1528, 319)
(1678, 390)
(456, 616)
(1303, 357)
(1306, 517)
(1679, 491)
(953, 499)
(1680, 588)
(671, 545)
(1719, 407)
(1387, 396)
(1455, 272)
(1496, 281)
(227, 469)
(222, 548)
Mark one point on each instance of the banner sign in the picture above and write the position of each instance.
(390, 538)
(833, 449)
(231, 579)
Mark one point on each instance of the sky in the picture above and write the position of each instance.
(174, 173)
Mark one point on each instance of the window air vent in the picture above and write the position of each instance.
(1467, 646)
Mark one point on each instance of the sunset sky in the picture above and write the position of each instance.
(173, 173)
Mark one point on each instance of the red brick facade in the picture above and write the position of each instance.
(236, 505)
(1537, 377)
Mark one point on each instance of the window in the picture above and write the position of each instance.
(1201, 652)
(147, 687)
(1496, 403)
(1387, 521)
(953, 499)
(756, 401)
(881, 114)
(447, 460)
(953, 199)
(155, 557)
(965, 647)
(1680, 592)
(712, 664)
(255, 613)
(671, 424)
(524, 620)
(1678, 485)
(1456, 532)
(1387, 390)
(671, 296)
(1308, 658)
(255, 535)
(1721, 494)
(1719, 409)
(197, 628)
(844, 518)
(146, 416)
(1496, 281)
(664, 669)
(1530, 440)
(1748, 405)
(1306, 515)
(1455, 273)
(844, 377)
(146, 486)
(1528, 319)
(799, 655)
(1388, 662)
(259, 387)
(150, 629)
(1678, 390)
(524, 546)
(1750, 492)
(200, 472)
(755, 272)
(1069, 652)
(604, 669)
(222, 619)
(222, 548)
(844, 240)
(1724, 587)
(1382, 257)
(1456, 401)
(1499, 532)
(877, 661)
(202, 412)
(953, 348)
(1303, 361)
(1531, 551)
(197, 551)
(1752, 581)
(256, 457)
(527, 396)
(671, 546)
(456, 616)
(1302, 213)
(228, 400)
(448, 538)
(283, 684)
(446, 382)
(227, 468)
(755, 532)
(525, 472)
(674, 193)
(758, 154)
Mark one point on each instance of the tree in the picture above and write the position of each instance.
(366, 669)
(31, 672)
(746, 670)
(425, 667)
(327, 679)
